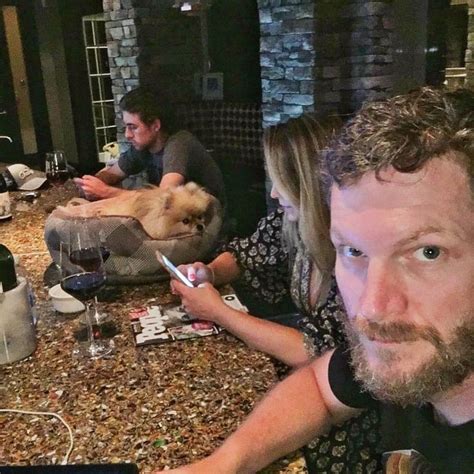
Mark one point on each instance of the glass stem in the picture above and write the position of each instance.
(96, 319)
(90, 329)
(96, 311)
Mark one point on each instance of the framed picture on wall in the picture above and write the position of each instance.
(213, 86)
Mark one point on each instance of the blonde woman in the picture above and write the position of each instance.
(289, 252)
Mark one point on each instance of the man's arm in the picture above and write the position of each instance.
(294, 412)
(102, 185)
(171, 180)
(111, 175)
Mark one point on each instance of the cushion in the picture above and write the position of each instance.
(132, 251)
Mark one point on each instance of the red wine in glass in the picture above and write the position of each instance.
(89, 259)
(83, 286)
(57, 177)
(56, 167)
(83, 275)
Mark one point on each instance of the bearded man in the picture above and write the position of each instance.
(401, 188)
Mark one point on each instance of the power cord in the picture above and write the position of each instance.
(47, 413)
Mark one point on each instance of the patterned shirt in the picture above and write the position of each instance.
(272, 271)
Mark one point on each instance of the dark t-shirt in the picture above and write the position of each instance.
(449, 449)
(183, 154)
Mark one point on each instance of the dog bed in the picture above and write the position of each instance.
(132, 251)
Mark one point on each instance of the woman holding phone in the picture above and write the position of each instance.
(290, 252)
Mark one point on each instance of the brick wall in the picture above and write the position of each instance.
(151, 43)
(354, 53)
(323, 55)
(122, 40)
(287, 58)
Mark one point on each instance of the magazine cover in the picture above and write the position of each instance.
(158, 324)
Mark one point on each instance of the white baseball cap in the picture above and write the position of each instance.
(25, 178)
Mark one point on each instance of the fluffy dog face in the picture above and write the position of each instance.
(186, 209)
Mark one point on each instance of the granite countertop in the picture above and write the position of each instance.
(158, 406)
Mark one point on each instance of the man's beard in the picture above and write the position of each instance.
(449, 366)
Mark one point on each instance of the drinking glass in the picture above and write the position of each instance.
(82, 276)
(56, 167)
(105, 253)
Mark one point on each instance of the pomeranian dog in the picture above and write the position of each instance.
(163, 213)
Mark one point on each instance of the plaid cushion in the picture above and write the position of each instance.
(132, 252)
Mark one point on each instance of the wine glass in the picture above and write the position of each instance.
(105, 253)
(56, 167)
(82, 276)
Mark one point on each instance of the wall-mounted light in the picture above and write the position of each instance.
(191, 6)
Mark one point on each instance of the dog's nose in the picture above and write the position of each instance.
(200, 227)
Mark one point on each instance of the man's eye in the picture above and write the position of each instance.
(430, 252)
(349, 251)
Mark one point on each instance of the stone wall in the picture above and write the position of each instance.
(354, 53)
(151, 43)
(287, 58)
(323, 55)
(122, 42)
(470, 47)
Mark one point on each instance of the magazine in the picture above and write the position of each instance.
(158, 324)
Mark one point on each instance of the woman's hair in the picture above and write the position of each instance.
(292, 153)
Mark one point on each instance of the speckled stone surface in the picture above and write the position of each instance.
(158, 406)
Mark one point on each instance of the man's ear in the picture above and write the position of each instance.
(156, 125)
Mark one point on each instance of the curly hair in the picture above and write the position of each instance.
(404, 132)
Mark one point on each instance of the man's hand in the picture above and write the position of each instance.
(203, 302)
(94, 188)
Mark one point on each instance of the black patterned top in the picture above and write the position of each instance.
(273, 271)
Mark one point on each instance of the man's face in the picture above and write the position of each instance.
(138, 133)
(405, 269)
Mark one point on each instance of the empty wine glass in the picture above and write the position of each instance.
(82, 276)
(56, 167)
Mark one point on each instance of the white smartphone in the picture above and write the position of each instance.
(172, 270)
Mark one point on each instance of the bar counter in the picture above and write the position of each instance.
(158, 406)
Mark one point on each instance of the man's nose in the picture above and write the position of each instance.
(383, 295)
(128, 134)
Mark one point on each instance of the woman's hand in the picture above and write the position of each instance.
(197, 273)
(203, 302)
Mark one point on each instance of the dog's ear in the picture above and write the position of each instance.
(192, 187)
(168, 199)
(211, 210)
